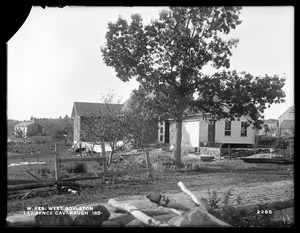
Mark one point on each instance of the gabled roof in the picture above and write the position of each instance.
(25, 124)
(291, 109)
(287, 124)
(91, 109)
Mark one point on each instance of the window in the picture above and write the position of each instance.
(227, 128)
(243, 128)
(161, 138)
(161, 129)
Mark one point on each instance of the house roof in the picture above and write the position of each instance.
(287, 124)
(292, 109)
(91, 109)
(270, 121)
(25, 124)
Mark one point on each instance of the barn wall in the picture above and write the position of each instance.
(76, 135)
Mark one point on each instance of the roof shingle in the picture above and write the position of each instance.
(92, 109)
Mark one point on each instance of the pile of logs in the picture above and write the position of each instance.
(178, 212)
(172, 213)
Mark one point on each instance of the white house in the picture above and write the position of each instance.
(197, 132)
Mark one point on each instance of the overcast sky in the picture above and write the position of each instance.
(54, 59)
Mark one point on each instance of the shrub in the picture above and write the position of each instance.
(77, 168)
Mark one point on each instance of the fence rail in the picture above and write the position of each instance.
(102, 161)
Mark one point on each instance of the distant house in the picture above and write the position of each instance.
(287, 120)
(28, 128)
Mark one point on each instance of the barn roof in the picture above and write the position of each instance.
(290, 109)
(91, 109)
(287, 124)
(25, 124)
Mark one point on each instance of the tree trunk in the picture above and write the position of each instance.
(178, 135)
(103, 149)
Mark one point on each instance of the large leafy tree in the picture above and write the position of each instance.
(166, 57)
(142, 122)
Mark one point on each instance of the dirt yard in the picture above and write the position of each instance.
(248, 182)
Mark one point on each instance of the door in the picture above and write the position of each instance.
(211, 131)
(167, 132)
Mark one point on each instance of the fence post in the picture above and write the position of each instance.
(56, 163)
(104, 162)
(80, 149)
(148, 164)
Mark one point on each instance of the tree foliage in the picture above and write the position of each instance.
(57, 128)
(166, 57)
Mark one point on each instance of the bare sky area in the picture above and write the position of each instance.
(55, 59)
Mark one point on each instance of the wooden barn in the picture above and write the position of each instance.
(82, 111)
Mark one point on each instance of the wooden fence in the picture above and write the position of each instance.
(102, 161)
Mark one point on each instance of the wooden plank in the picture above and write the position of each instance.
(32, 190)
(80, 159)
(39, 179)
(30, 186)
(109, 173)
(38, 185)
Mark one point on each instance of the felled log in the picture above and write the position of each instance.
(149, 221)
(195, 215)
(179, 204)
(189, 193)
(150, 213)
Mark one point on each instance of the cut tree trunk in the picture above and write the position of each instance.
(177, 146)
(179, 204)
(149, 221)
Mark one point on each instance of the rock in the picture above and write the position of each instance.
(54, 220)
(135, 223)
(8, 223)
(110, 224)
(122, 220)
(95, 217)
(196, 217)
(178, 221)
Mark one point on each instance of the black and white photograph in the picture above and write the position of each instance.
(151, 116)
